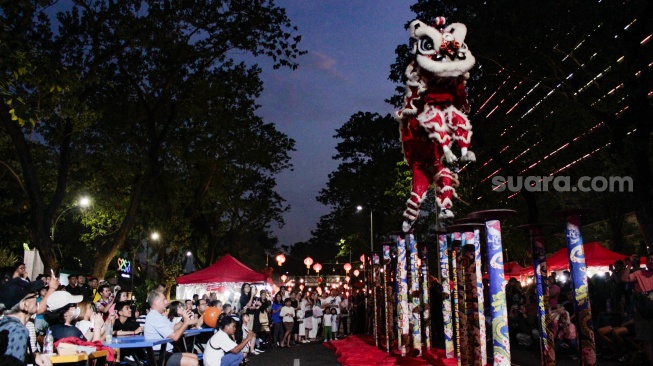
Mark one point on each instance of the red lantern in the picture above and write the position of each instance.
(347, 278)
(284, 278)
(363, 258)
(317, 267)
(356, 272)
(347, 267)
(280, 259)
(308, 261)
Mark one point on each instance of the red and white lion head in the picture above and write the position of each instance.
(441, 49)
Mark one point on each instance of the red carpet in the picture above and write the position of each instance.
(361, 351)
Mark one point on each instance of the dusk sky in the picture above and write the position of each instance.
(350, 46)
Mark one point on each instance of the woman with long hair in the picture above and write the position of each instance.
(85, 322)
(174, 315)
(246, 298)
(120, 297)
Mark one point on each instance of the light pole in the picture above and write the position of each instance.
(83, 202)
(360, 208)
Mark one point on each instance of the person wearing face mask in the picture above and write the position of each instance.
(62, 311)
(17, 306)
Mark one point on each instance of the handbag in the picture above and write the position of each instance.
(263, 318)
(308, 313)
(644, 303)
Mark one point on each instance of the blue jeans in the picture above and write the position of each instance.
(231, 359)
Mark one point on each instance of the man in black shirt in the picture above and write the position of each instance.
(124, 324)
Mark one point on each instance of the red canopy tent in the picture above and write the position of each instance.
(595, 256)
(227, 269)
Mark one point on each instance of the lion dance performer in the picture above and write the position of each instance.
(434, 110)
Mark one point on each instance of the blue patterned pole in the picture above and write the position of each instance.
(499, 312)
(446, 296)
(414, 295)
(547, 349)
(402, 296)
(578, 269)
(426, 303)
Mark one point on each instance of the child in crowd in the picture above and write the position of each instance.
(330, 318)
(248, 348)
(288, 314)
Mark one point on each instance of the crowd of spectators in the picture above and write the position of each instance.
(622, 331)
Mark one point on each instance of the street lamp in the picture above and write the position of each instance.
(83, 202)
(360, 208)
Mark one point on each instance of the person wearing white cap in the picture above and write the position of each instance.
(62, 310)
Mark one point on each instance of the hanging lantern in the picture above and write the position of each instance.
(319, 290)
(356, 272)
(347, 267)
(363, 258)
(308, 261)
(280, 259)
(284, 278)
(347, 278)
(301, 287)
(317, 267)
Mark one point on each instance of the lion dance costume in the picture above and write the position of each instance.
(433, 116)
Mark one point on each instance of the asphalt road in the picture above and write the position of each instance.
(305, 354)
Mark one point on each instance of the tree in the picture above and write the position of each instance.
(132, 69)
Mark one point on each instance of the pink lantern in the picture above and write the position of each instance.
(347, 267)
(317, 267)
(356, 272)
(363, 258)
(284, 278)
(280, 259)
(347, 278)
(308, 261)
(301, 287)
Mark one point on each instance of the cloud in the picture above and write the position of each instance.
(324, 63)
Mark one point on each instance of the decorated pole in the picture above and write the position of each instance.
(446, 296)
(547, 349)
(468, 259)
(402, 296)
(374, 265)
(389, 306)
(414, 298)
(426, 303)
(456, 298)
(577, 267)
(500, 338)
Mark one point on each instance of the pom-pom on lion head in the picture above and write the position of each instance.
(441, 49)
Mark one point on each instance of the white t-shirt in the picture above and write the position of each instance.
(327, 319)
(216, 347)
(331, 302)
(288, 310)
